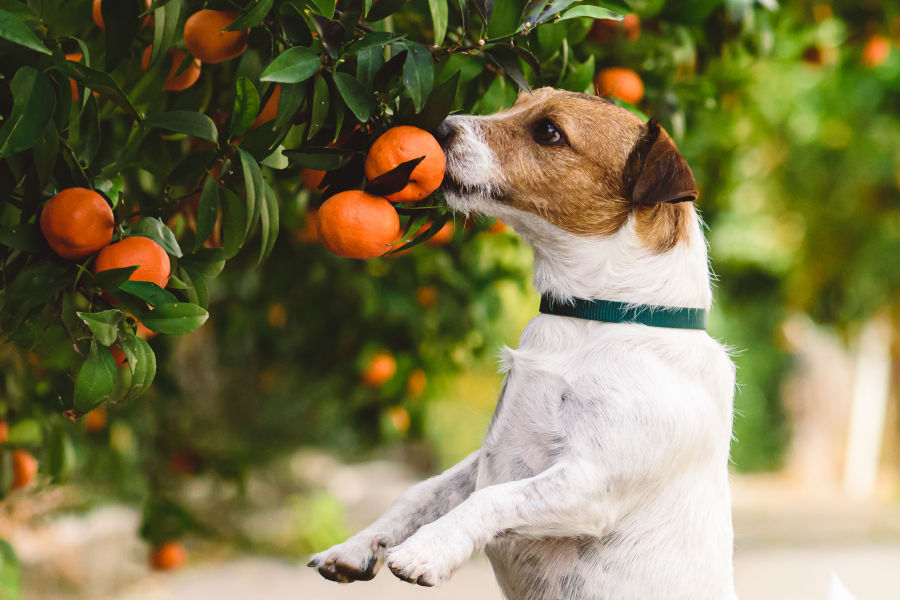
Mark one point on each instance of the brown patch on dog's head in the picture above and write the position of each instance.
(585, 164)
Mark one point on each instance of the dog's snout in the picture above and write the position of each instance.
(445, 133)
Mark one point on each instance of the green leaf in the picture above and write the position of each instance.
(418, 73)
(95, 379)
(32, 287)
(111, 279)
(440, 103)
(205, 263)
(594, 12)
(383, 9)
(252, 17)
(355, 95)
(141, 362)
(377, 39)
(148, 291)
(581, 77)
(165, 27)
(439, 15)
(25, 237)
(277, 160)
(157, 231)
(34, 100)
(185, 121)
(207, 212)
(104, 324)
(268, 223)
(234, 222)
(253, 187)
(14, 29)
(509, 62)
(100, 82)
(10, 572)
(175, 319)
(60, 456)
(27, 432)
(292, 66)
(320, 103)
(246, 106)
(368, 61)
(322, 159)
(324, 8)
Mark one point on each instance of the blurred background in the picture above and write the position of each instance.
(322, 387)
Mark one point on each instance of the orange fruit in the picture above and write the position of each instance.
(415, 385)
(442, 237)
(98, 15)
(605, 30)
(400, 144)
(876, 51)
(497, 226)
(309, 233)
(118, 355)
(269, 112)
(399, 418)
(152, 260)
(354, 224)
(312, 179)
(74, 57)
(175, 82)
(77, 222)
(206, 39)
(4, 431)
(96, 420)
(426, 296)
(380, 369)
(618, 82)
(143, 332)
(168, 555)
(25, 468)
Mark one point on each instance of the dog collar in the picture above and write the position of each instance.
(609, 311)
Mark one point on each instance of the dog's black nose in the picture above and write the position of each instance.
(444, 133)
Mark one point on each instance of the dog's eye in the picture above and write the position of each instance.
(546, 133)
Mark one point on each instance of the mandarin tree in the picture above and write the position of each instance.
(206, 127)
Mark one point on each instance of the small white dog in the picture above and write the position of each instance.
(604, 474)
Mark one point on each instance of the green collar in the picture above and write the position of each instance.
(609, 311)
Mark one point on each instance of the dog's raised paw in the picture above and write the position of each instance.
(409, 567)
(354, 560)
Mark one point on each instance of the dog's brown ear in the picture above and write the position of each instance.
(656, 172)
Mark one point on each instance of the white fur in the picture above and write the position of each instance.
(604, 474)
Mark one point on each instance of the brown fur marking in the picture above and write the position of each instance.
(580, 187)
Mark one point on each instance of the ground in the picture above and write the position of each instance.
(788, 541)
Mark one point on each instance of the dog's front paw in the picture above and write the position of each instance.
(357, 559)
(424, 559)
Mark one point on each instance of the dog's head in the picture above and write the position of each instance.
(578, 162)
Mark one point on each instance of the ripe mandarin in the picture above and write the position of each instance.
(380, 369)
(270, 109)
(400, 144)
(77, 222)
(175, 81)
(355, 224)
(618, 82)
(206, 38)
(152, 260)
(25, 468)
(168, 555)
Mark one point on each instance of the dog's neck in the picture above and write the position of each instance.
(618, 267)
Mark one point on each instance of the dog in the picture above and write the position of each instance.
(604, 472)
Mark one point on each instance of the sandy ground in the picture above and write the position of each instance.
(787, 543)
(786, 573)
